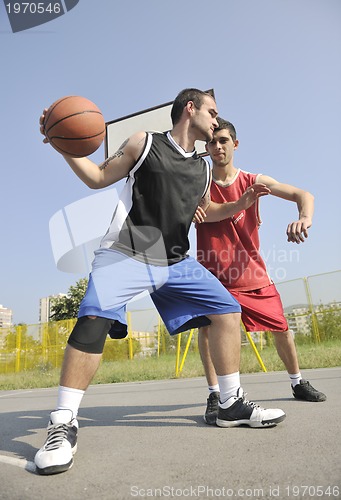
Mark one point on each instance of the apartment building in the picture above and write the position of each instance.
(45, 309)
(6, 316)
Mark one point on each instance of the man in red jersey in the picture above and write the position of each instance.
(230, 249)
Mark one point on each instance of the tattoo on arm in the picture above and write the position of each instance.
(118, 153)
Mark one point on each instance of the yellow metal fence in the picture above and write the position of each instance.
(307, 303)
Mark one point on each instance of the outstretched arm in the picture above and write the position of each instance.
(113, 169)
(297, 231)
(209, 211)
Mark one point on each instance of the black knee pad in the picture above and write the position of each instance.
(118, 330)
(88, 335)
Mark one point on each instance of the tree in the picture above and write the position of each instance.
(26, 340)
(67, 307)
(329, 324)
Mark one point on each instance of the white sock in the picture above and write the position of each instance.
(295, 378)
(228, 385)
(69, 399)
(213, 388)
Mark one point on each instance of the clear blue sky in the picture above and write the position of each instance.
(276, 69)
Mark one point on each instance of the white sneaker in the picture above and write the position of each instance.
(61, 444)
(238, 411)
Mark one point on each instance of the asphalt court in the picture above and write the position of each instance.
(149, 440)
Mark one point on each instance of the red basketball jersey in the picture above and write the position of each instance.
(230, 248)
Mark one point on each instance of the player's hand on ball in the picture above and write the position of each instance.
(41, 123)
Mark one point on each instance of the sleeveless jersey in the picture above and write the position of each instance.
(157, 204)
(230, 248)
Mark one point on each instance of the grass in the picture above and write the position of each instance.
(323, 355)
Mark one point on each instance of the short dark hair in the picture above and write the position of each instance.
(181, 100)
(224, 124)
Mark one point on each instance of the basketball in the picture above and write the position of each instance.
(74, 126)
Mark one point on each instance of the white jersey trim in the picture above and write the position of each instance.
(126, 200)
(208, 177)
(178, 147)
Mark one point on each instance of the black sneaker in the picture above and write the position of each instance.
(211, 413)
(238, 411)
(306, 392)
(61, 444)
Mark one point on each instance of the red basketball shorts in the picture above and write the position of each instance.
(262, 309)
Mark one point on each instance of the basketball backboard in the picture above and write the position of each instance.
(156, 119)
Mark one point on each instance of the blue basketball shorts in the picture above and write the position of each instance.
(183, 293)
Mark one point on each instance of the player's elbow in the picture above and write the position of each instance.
(309, 196)
(303, 195)
(92, 184)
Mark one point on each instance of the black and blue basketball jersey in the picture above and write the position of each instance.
(157, 204)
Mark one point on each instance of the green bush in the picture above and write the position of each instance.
(329, 324)
(119, 349)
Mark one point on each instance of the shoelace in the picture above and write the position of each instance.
(212, 403)
(250, 403)
(308, 386)
(55, 436)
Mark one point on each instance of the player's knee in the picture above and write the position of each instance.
(225, 319)
(284, 336)
(89, 334)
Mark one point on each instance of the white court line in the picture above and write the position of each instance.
(18, 462)
(14, 393)
(20, 392)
